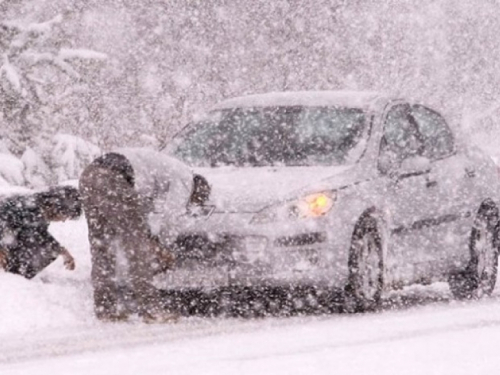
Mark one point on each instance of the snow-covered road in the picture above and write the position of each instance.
(48, 328)
(440, 338)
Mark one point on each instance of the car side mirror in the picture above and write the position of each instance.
(201, 190)
(414, 164)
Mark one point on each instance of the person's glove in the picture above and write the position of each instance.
(68, 260)
(165, 260)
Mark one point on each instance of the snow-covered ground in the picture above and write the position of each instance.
(47, 327)
(56, 298)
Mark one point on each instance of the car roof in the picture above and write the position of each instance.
(351, 99)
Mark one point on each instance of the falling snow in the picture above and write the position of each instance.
(303, 161)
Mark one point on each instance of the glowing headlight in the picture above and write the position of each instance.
(310, 206)
(313, 205)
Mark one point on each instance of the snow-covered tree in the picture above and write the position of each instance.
(42, 92)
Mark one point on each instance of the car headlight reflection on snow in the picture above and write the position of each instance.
(309, 206)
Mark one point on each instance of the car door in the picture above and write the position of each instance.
(450, 185)
(409, 195)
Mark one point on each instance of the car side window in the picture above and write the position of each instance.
(437, 136)
(401, 138)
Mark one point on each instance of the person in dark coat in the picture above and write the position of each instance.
(124, 252)
(26, 246)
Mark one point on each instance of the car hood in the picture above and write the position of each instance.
(252, 189)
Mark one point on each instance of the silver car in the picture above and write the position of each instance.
(349, 191)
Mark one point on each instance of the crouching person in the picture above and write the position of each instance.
(119, 191)
(26, 246)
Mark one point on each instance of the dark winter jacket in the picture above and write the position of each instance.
(25, 237)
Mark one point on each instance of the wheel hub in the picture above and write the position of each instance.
(369, 267)
(485, 253)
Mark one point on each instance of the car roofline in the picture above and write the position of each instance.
(354, 99)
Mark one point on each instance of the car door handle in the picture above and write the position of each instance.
(470, 172)
(430, 183)
(402, 176)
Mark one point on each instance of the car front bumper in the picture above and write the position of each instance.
(228, 251)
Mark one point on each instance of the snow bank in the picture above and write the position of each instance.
(56, 297)
(33, 305)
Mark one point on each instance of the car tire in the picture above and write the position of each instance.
(479, 278)
(364, 288)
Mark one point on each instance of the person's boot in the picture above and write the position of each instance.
(111, 312)
(113, 318)
(159, 317)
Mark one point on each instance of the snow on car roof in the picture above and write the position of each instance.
(356, 99)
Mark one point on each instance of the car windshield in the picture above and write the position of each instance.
(273, 136)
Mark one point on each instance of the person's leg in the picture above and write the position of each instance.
(105, 289)
(141, 260)
(136, 243)
(141, 251)
(103, 276)
(101, 235)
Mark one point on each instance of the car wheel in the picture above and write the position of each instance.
(366, 278)
(479, 278)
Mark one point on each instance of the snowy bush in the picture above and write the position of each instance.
(69, 155)
(42, 85)
(36, 172)
(62, 158)
(11, 170)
